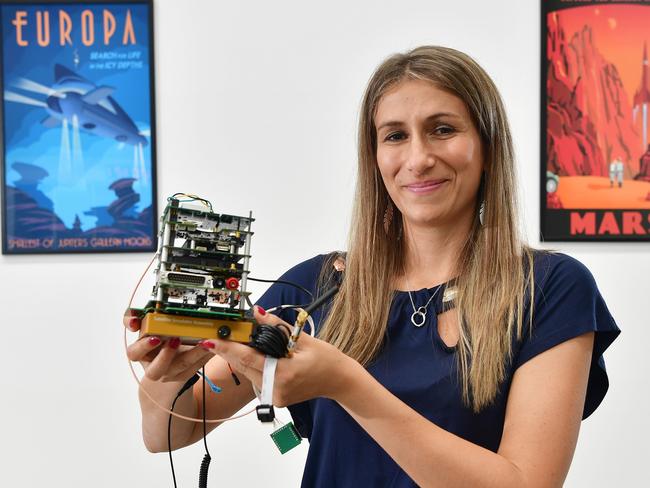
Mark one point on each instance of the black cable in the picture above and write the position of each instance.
(270, 341)
(322, 299)
(205, 442)
(169, 440)
(283, 282)
(203, 471)
(205, 464)
(188, 384)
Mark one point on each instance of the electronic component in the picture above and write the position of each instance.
(200, 290)
(200, 293)
(286, 437)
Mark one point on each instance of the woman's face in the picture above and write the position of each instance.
(429, 154)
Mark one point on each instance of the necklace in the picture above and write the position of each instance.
(419, 315)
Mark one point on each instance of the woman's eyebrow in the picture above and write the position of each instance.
(430, 118)
(390, 123)
(441, 115)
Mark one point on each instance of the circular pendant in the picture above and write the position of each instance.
(419, 317)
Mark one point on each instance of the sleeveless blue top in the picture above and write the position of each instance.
(416, 366)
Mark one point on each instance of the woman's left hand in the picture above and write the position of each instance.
(315, 369)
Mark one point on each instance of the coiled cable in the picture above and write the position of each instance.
(270, 340)
(203, 472)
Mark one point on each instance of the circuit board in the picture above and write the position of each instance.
(201, 276)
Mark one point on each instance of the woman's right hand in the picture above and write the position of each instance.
(168, 365)
(164, 358)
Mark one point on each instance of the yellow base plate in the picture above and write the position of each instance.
(193, 329)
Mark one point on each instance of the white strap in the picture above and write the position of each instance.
(268, 379)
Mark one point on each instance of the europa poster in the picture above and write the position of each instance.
(595, 151)
(78, 127)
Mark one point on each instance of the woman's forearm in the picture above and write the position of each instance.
(155, 420)
(430, 455)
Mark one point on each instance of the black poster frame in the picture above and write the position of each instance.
(146, 241)
(581, 224)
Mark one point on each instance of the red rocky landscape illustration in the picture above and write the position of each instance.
(598, 101)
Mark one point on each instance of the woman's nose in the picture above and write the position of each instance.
(421, 156)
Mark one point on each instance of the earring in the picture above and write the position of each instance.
(481, 196)
(388, 216)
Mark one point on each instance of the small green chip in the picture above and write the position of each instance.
(286, 437)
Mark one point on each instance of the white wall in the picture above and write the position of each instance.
(256, 110)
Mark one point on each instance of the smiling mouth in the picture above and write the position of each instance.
(425, 186)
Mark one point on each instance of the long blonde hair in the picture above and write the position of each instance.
(494, 266)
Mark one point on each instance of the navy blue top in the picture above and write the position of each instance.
(417, 366)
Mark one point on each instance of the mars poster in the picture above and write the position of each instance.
(595, 154)
(77, 119)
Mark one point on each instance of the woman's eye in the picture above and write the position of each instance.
(443, 130)
(395, 136)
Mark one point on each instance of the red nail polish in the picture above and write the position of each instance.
(174, 343)
(207, 344)
(261, 310)
(154, 341)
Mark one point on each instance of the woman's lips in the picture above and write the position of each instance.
(425, 186)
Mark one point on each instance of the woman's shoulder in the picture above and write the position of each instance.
(551, 268)
(561, 282)
(568, 304)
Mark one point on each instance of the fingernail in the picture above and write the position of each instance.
(261, 310)
(207, 344)
(154, 341)
(132, 322)
(174, 343)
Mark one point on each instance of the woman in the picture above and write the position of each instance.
(432, 365)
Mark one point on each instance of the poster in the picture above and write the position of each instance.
(78, 152)
(595, 134)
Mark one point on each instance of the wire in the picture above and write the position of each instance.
(322, 299)
(298, 308)
(205, 443)
(169, 440)
(284, 282)
(205, 202)
(188, 384)
(270, 340)
(234, 376)
(213, 387)
(164, 409)
(205, 464)
(144, 390)
(304, 315)
(140, 280)
(203, 472)
(280, 308)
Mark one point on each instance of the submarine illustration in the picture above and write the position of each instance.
(74, 97)
(95, 109)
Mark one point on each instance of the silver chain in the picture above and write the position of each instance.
(419, 315)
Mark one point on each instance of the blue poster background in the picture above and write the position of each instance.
(78, 166)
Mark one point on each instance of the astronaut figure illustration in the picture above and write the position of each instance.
(616, 172)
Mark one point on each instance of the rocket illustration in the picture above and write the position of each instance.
(642, 96)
